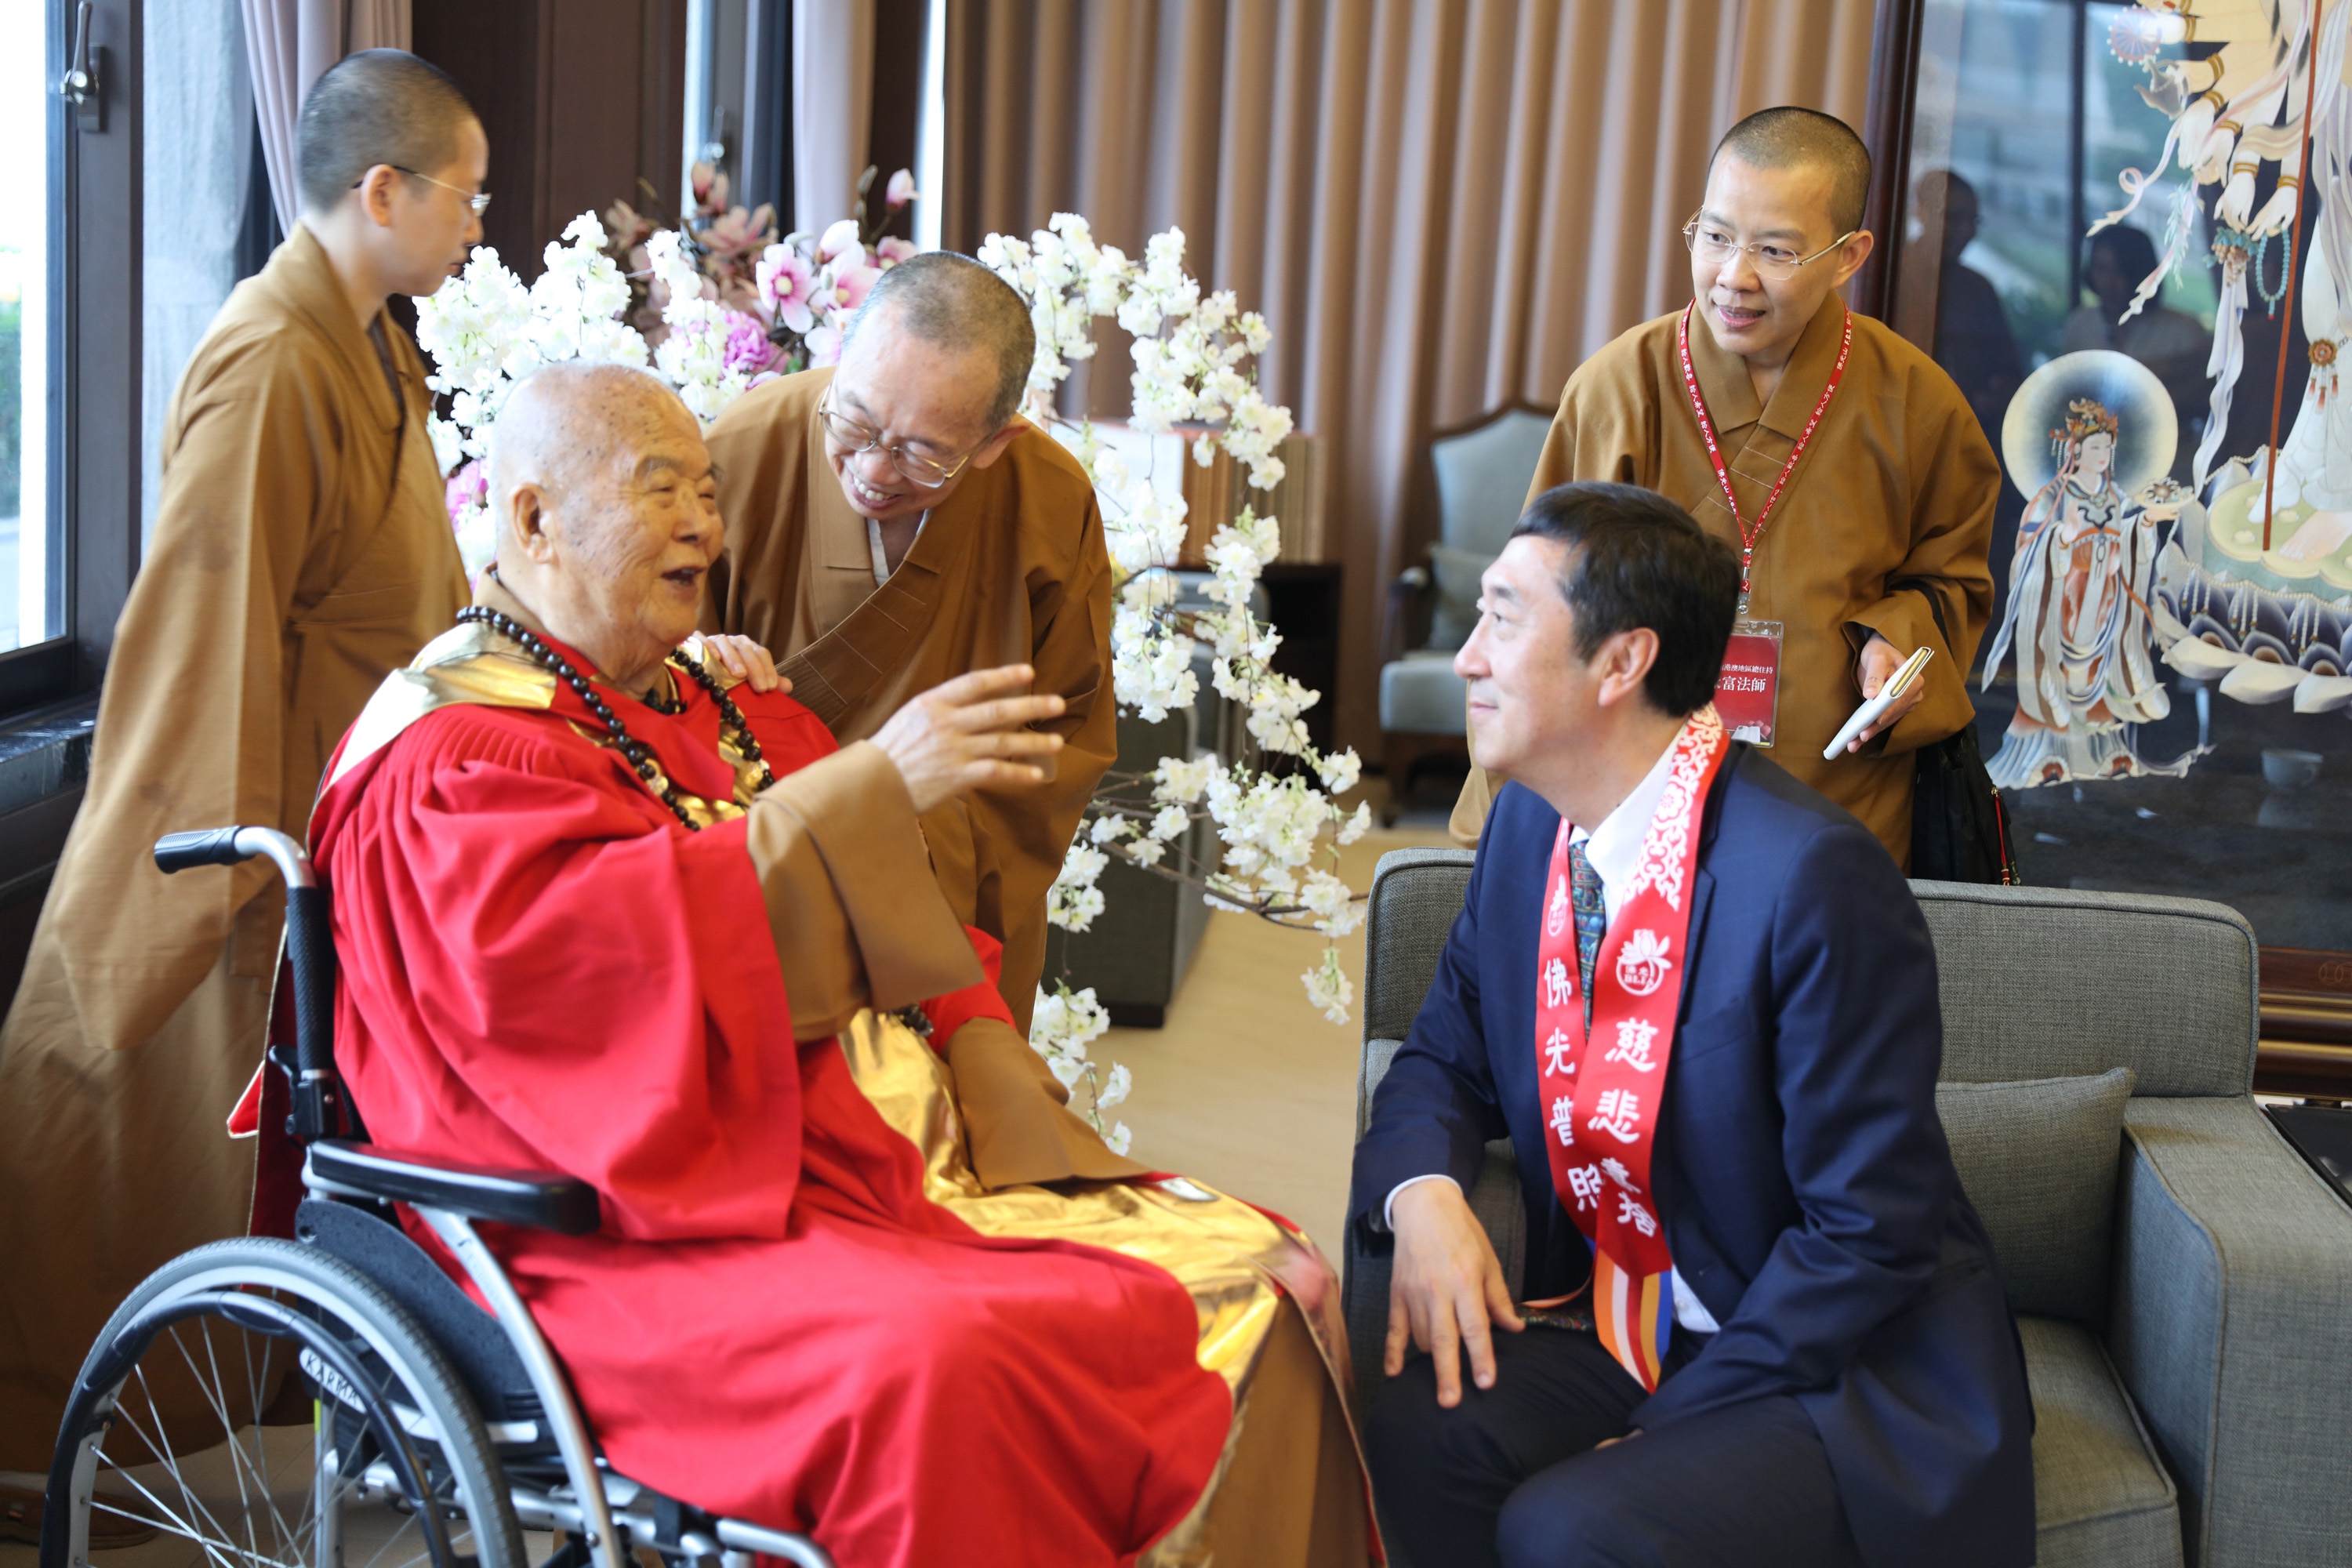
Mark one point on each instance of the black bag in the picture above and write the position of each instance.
(1960, 824)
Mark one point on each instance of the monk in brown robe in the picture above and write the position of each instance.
(301, 552)
(1886, 517)
(893, 523)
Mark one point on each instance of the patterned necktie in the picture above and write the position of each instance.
(1591, 919)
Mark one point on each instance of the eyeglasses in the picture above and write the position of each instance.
(480, 204)
(1714, 247)
(856, 440)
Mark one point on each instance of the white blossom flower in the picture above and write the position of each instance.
(1119, 1138)
(1328, 987)
(1147, 851)
(1177, 780)
(1169, 821)
(1115, 1089)
(1339, 774)
(1355, 826)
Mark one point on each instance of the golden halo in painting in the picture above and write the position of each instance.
(2119, 384)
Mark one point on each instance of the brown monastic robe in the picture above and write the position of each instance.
(1011, 568)
(301, 553)
(1892, 502)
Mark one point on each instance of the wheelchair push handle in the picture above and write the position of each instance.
(232, 846)
(309, 960)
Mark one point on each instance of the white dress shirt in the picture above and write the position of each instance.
(1614, 852)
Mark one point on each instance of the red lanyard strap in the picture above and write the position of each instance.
(1747, 536)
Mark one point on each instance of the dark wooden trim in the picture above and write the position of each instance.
(2306, 1023)
(1886, 130)
(96, 361)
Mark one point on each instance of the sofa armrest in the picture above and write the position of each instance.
(2233, 1266)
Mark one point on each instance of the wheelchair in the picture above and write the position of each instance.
(435, 1432)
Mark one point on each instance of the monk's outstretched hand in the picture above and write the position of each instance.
(971, 733)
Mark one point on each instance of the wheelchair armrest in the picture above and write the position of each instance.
(538, 1199)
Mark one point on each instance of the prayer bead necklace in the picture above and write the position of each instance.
(638, 754)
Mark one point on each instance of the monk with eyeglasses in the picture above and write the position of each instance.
(893, 523)
(1839, 459)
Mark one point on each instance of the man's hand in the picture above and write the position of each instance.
(963, 735)
(737, 660)
(1880, 660)
(1445, 1289)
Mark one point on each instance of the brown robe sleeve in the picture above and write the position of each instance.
(1953, 497)
(1016, 1114)
(1017, 837)
(857, 920)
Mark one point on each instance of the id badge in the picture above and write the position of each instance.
(1748, 692)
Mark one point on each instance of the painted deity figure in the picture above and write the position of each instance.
(2078, 621)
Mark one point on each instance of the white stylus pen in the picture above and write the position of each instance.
(1868, 713)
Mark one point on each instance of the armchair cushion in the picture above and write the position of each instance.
(2039, 1159)
(2101, 1496)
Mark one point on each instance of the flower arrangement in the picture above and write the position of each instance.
(1274, 810)
(718, 305)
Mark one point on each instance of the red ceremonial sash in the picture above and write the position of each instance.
(1601, 1107)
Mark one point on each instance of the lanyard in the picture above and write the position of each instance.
(1747, 536)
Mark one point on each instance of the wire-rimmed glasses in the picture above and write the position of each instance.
(479, 202)
(1714, 247)
(857, 440)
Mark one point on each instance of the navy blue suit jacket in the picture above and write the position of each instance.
(1807, 1191)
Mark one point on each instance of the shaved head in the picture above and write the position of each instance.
(607, 512)
(1789, 138)
(379, 106)
(568, 425)
(955, 303)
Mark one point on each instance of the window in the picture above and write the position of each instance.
(28, 181)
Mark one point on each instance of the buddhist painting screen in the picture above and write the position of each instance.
(2109, 241)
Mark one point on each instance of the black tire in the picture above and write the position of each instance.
(169, 1396)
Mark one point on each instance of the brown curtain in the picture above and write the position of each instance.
(1440, 205)
(289, 44)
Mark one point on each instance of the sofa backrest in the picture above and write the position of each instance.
(2052, 982)
(2035, 981)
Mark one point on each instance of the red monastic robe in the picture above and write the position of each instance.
(542, 969)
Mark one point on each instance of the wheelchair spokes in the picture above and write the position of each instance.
(259, 1406)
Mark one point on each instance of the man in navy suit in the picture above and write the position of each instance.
(1827, 1374)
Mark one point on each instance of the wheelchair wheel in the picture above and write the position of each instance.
(266, 1404)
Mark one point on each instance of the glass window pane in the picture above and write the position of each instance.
(28, 494)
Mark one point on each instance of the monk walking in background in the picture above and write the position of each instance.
(1852, 477)
(301, 552)
(893, 523)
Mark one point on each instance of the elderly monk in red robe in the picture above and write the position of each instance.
(301, 552)
(597, 914)
(895, 522)
(1854, 479)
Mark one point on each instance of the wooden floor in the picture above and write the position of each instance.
(1248, 1088)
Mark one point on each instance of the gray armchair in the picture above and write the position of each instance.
(2200, 1414)
(1477, 476)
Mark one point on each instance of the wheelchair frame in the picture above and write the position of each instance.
(603, 1512)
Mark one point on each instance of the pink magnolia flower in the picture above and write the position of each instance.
(852, 283)
(840, 238)
(900, 191)
(748, 348)
(709, 185)
(734, 235)
(786, 280)
(824, 345)
(468, 488)
(892, 250)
